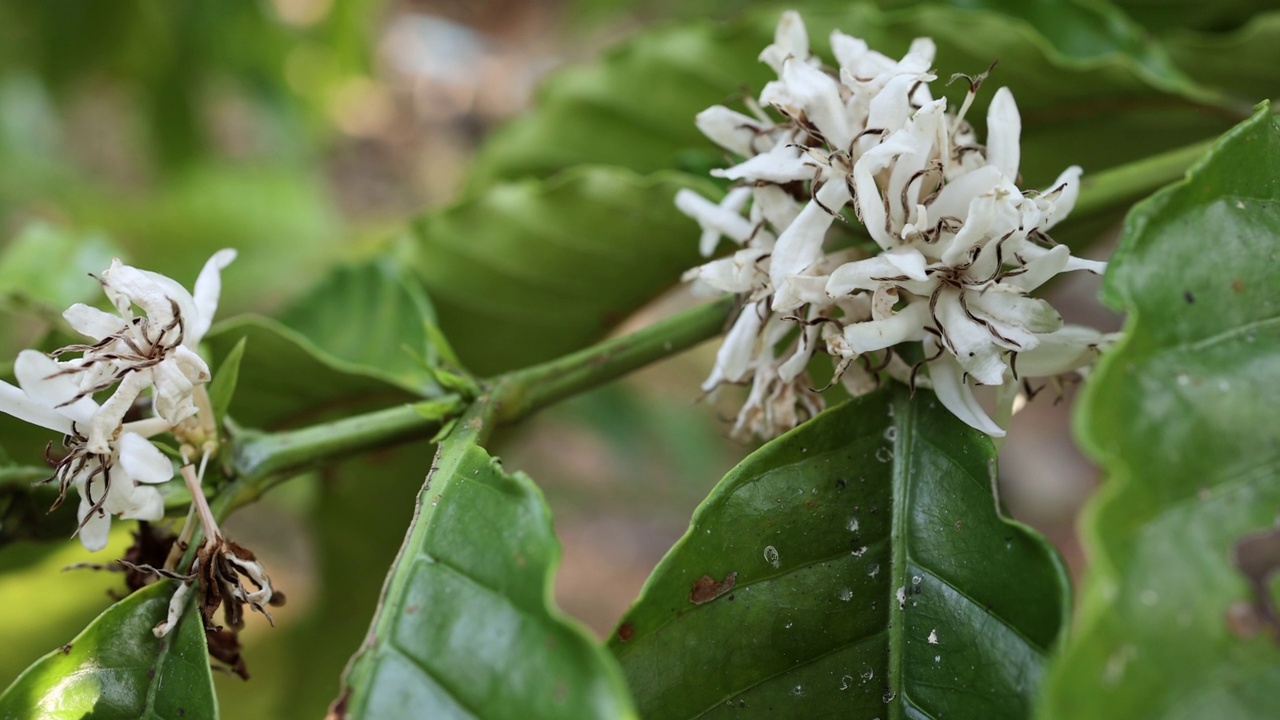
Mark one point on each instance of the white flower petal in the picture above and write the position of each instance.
(93, 532)
(790, 39)
(735, 355)
(92, 322)
(956, 196)
(783, 164)
(974, 346)
(958, 397)
(15, 402)
(776, 205)
(1065, 202)
(909, 261)
(1004, 131)
(906, 324)
(42, 381)
(716, 220)
(1011, 309)
(729, 129)
(1064, 350)
(150, 291)
(798, 290)
(871, 202)
(142, 461)
(1040, 270)
(817, 95)
(144, 503)
(800, 245)
(107, 420)
(207, 289)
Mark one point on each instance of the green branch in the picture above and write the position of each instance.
(1119, 186)
(519, 394)
(262, 458)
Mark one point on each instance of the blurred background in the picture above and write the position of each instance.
(305, 132)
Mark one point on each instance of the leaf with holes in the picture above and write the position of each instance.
(465, 628)
(1182, 416)
(856, 566)
(117, 669)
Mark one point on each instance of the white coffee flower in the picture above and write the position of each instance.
(117, 482)
(156, 350)
(960, 245)
(111, 464)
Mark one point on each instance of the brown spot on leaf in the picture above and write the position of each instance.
(338, 710)
(1242, 619)
(706, 589)
(1237, 286)
(1257, 556)
(412, 609)
(626, 631)
(1189, 297)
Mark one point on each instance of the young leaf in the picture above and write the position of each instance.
(525, 272)
(371, 316)
(117, 668)
(1182, 417)
(465, 627)
(223, 386)
(856, 566)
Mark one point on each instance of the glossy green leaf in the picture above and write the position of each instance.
(285, 378)
(636, 107)
(465, 628)
(356, 519)
(855, 567)
(117, 668)
(373, 317)
(1242, 61)
(1182, 416)
(527, 271)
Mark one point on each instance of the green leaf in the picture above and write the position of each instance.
(1182, 417)
(356, 520)
(285, 378)
(117, 668)
(525, 272)
(1242, 61)
(465, 627)
(223, 386)
(1084, 31)
(636, 107)
(1196, 14)
(49, 267)
(855, 567)
(372, 317)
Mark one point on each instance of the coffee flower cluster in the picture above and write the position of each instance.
(959, 246)
(129, 355)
